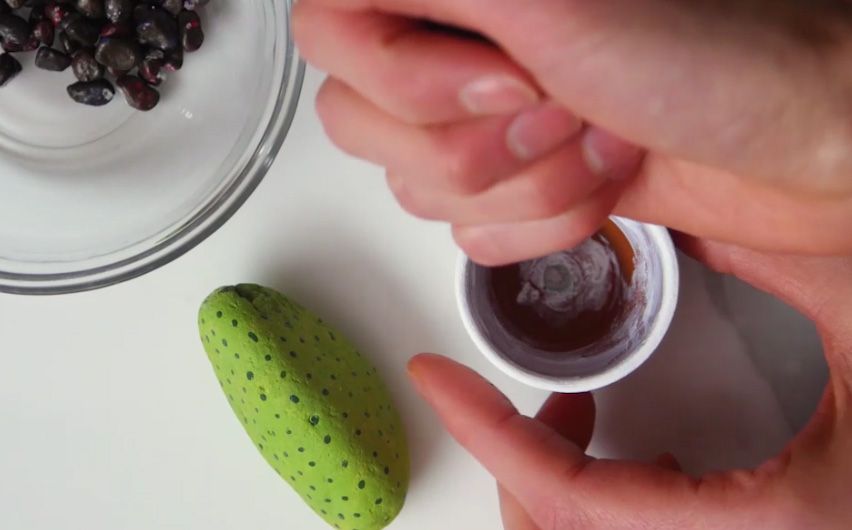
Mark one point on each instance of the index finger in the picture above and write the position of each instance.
(558, 485)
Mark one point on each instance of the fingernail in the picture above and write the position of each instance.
(538, 131)
(609, 156)
(498, 94)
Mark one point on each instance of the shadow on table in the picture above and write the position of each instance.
(366, 300)
(735, 378)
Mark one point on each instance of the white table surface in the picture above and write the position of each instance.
(112, 419)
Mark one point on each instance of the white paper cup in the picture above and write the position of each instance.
(650, 300)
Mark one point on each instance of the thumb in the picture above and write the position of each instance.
(559, 486)
(573, 417)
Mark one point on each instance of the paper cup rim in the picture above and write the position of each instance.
(664, 246)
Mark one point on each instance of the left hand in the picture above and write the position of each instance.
(549, 483)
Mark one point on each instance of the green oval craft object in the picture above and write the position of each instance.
(313, 405)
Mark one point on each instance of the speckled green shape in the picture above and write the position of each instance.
(313, 405)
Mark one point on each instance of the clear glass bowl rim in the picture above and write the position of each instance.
(207, 220)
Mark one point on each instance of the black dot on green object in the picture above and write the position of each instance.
(345, 415)
(312, 463)
(225, 342)
(292, 478)
(260, 446)
(236, 356)
(325, 392)
(327, 439)
(289, 431)
(252, 336)
(283, 374)
(340, 516)
(357, 432)
(362, 485)
(218, 314)
(366, 414)
(300, 473)
(378, 501)
(263, 397)
(356, 515)
(345, 463)
(314, 420)
(286, 454)
(234, 323)
(249, 375)
(309, 376)
(301, 449)
(267, 357)
(277, 416)
(324, 512)
(213, 332)
(387, 470)
(302, 340)
(294, 398)
(375, 454)
(333, 377)
(351, 394)
(313, 488)
(316, 338)
(330, 480)
(328, 501)
(344, 498)
(293, 354)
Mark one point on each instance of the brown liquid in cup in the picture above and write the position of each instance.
(569, 299)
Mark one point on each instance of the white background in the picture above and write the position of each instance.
(111, 418)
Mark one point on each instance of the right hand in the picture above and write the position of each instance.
(726, 120)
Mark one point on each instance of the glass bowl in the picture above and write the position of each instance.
(92, 196)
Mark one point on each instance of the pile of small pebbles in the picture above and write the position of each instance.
(129, 44)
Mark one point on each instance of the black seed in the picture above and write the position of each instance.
(340, 516)
(236, 356)
(356, 515)
(191, 33)
(80, 30)
(283, 374)
(345, 463)
(293, 354)
(118, 54)
(218, 314)
(263, 397)
(156, 28)
(277, 416)
(330, 480)
(314, 420)
(249, 375)
(260, 446)
(289, 431)
(387, 470)
(357, 432)
(327, 439)
(294, 398)
(309, 376)
(312, 488)
(331, 336)
(375, 454)
(234, 323)
(282, 339)
(333, 377)
(268, 357)
(14, 32)
(324, 512)
(292, 478)
(86, 68)
(44, 32)
(312, 463)
(324, 391)
(94, 93)
(378, 501)
(252, 336)
(138, 94)
(328, 500)
(286, 454)
(119, 10)
(225, 343)
(344, 498)
(301, 449)
(361, 485)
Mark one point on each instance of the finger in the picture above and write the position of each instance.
(668, 461)
(417, 75)
(500, 244)
(719, 205)
(549, 187)
(572, 416)
(557, 484)
(627, 65)
(467, 157)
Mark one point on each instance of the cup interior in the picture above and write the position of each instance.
(650, 301)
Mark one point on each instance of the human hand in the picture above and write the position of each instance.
(741, 109)
(549, 483)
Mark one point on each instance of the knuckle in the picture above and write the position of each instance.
(407, 199)
(462, 170)
(547, 200)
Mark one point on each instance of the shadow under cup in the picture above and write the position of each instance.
(648, 307)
